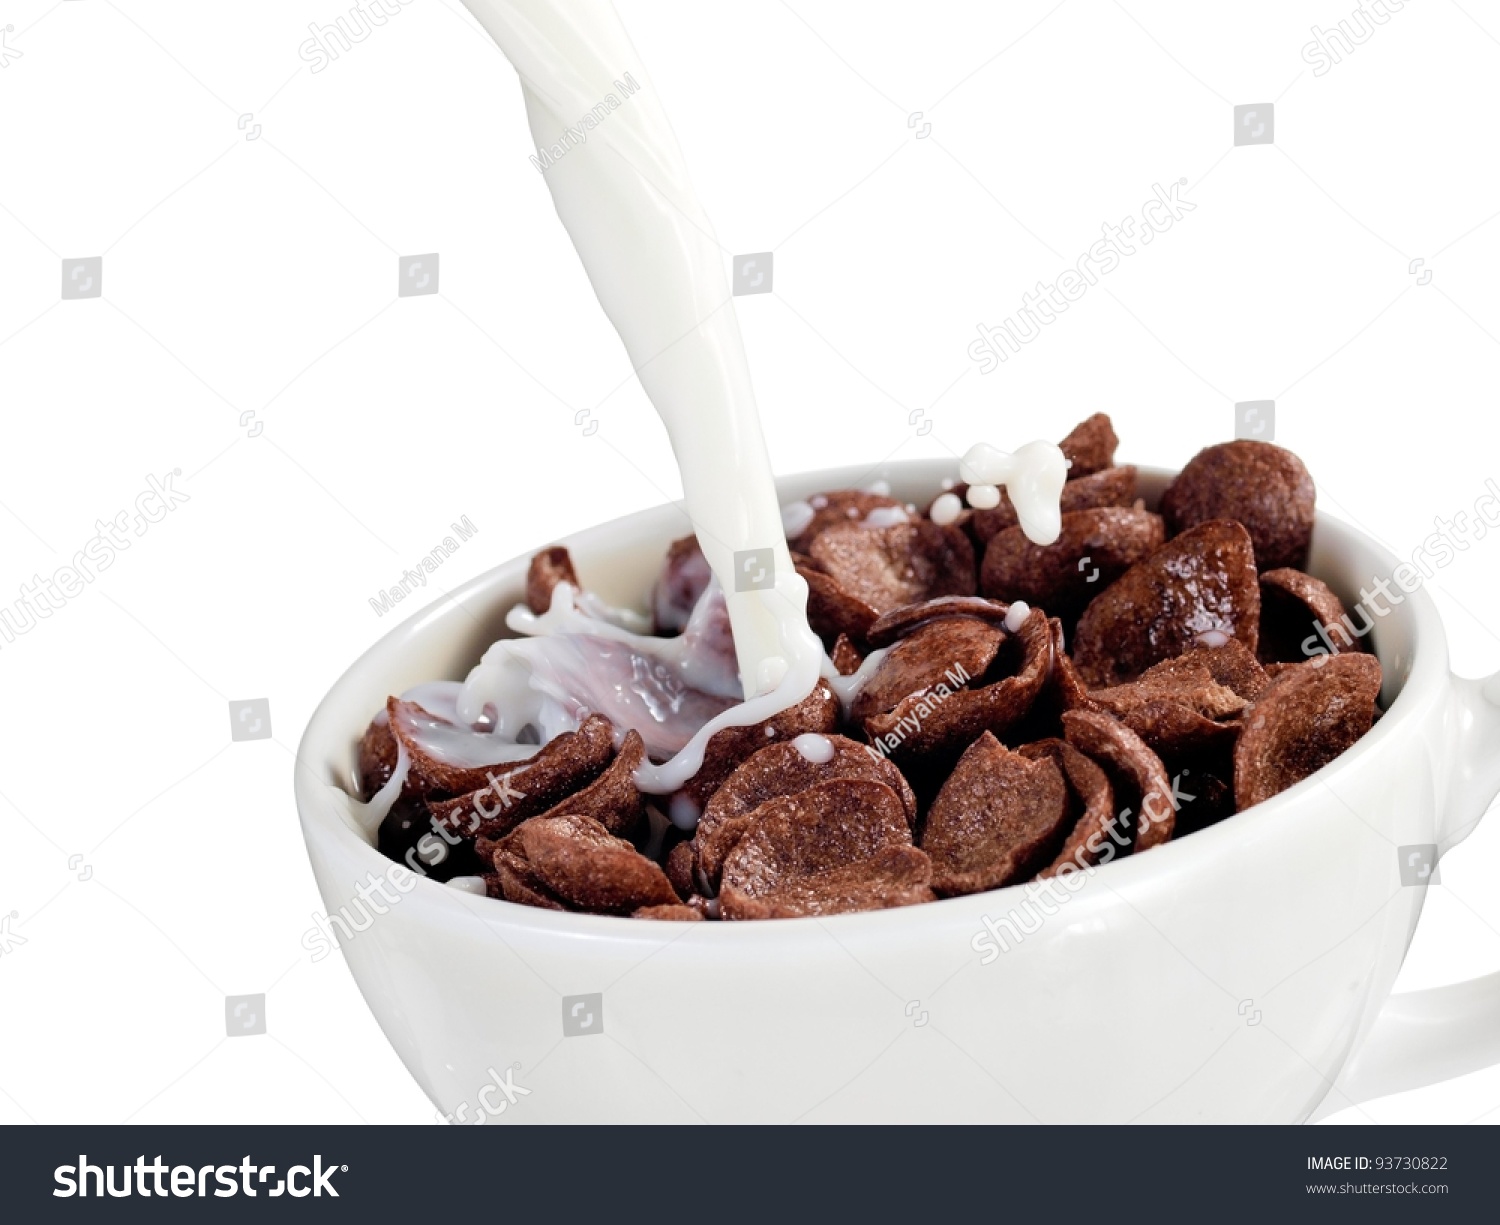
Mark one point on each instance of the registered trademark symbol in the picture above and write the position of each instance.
(344, 1169)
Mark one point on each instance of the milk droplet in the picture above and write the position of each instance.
(984, 497)
(683, 811)
(1015, 616)
(1213, 638)
(946, 509)
(468, 884)
(771, 673)
(881, 489)
(818, 501)
(814, 748)
(1033, 476)
(796, 518)
(885, 516)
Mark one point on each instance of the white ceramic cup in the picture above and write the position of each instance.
(1240, 974)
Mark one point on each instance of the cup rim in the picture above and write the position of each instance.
(1428, 666)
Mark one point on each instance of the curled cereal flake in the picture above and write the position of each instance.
(831, 611)
(670, 912)
(1135, 772)
(1065, 685)
(611, 799)
(780, 770)
(1259, 485)
(940, 725)
(377, 756)
(430, 775)
(1095, 548)
(519, 883)
(1092, 808)
(889, 566)
(1200, 581)
(893, 876)
(1306, 717)
(825, 850)
(504, 796)
(997, 819)
(583, 864)
(1112, 487)
(1174, 731)
(685, 576)
(846, 657)
(817, 713)
(1293, 608)
(896, 624)
(1090, 446)
(1192, 687)
(838, 508)
(951, 650)
(681, 867)
(548, 568)
(1230, 665)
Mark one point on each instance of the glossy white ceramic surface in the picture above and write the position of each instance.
(1229, 976)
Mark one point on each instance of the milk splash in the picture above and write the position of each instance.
(657, 269)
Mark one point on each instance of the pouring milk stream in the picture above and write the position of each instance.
(622, 192)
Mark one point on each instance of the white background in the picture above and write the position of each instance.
(260, 276)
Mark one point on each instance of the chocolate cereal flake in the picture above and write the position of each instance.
(1090, 446)
(1306, 717)
(1092, 798)
(582, 863)
(500, 797)
(780, 770)
(1135, 772)
(932, 724)
(1201, 582)
(892, 626)
(833, 848)
(838, 508)
(1095, 548)
(1262, 486)
(1112, 487)
(1294, 607)
(952, 649)
(998, 818)
(548, 568)
(886, 567)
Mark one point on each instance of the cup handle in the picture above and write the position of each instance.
(1474, 731)
(1423, 1037)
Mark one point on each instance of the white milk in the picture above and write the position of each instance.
(650, 253)
(621, 188)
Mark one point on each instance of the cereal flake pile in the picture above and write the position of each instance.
(1024, 710)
